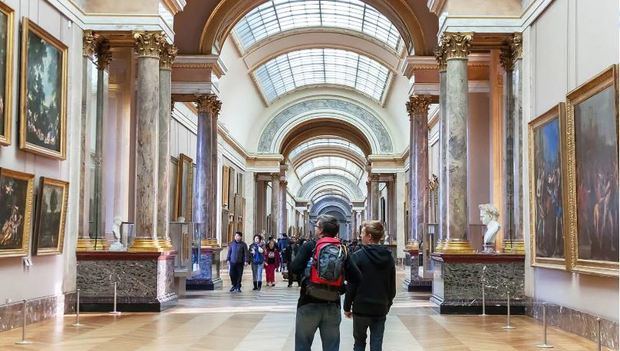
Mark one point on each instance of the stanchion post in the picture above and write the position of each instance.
(23, 341)
(114, 311)
(77, 309)
(544, 345)
(483, 281)
(508, 326)
(600, 339)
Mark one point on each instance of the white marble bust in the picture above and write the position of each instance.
(489, 216)
(116, 231)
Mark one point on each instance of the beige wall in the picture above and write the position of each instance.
(118, 6)
(478, 151)
(568, 44)
(49, 275)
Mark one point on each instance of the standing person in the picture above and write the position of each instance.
(272, 261)
(319, 300)
(371, 297)
(237, 257)
(291, 252)
(282, 246)
(257, 258)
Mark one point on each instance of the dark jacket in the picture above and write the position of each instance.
(374, 294)
(300, 262)
(257, 257)
(237, 252)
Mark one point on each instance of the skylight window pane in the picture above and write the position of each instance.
(278, 16)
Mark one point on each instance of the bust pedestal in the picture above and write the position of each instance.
(207, 277)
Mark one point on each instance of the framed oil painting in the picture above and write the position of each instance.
(16, 191)
(592, 168)
(43, 106)
(6, 72)
(51, 214)
(546, 183)
(184, 187)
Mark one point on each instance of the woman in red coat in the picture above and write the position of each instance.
(272, 261)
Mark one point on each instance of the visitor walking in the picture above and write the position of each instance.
(272, 261)
(291, 251)
(319, 300)
(237, 257)
(369, 300)
(283, 243)
(257, 258)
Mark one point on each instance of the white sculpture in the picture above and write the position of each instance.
(489, 216)
(116, 231)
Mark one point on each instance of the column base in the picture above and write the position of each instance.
(166, 245)
(209, 243)
(208, 275)
(419, 285)
(203, 284)
(457, 246)
(514, 247)
(146, 245)
(440, 245)
(84, 244)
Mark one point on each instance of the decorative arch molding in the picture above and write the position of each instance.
(338, 202)
(291, 117)
(332, 150)
(308, 187)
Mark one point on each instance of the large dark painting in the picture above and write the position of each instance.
(43, 92)
(16, 191)
(546, 181)
(51, 215)
(6, 72)
(594, 118)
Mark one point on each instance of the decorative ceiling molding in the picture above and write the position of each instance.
(307, 188)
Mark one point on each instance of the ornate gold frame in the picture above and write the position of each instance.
(607, 78)
(63, 217)
(558, 111)
(27, 27)
(184, 161)
(23, 251)
(5, 139)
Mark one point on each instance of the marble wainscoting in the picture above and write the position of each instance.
(576, 322)
(208, 275)
(37, 310)
(416, 283)
(457, 283)
(145, 281)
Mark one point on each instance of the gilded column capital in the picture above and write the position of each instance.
(440, 56)
(417, 106)
(167, 55)
(512, 51)
(89, 43)
(456, 45)
(148, 44)
(103, 54)
(208, 103)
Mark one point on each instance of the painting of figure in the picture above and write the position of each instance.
(546, 182)
(15, 212)
(596, 163)
(51, 213)
(6, 69)
(43, 94)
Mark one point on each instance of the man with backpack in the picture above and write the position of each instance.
(371, 297)
(325, 266)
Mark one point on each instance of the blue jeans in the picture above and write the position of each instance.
(323, 316)
(360, 325)
(257, 272)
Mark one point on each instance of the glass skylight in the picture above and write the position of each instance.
(322, 66)
(277, 16)
(322, 142)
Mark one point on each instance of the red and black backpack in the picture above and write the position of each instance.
(326, 274)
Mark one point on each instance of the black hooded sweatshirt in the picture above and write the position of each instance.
(373, 295)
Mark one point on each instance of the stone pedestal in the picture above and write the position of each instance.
(415, 282)
(457, 283)
(207, 277)
(145, 281)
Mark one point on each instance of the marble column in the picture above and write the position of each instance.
(517, 245)
(440, 56)
(507, 62)
(168, 53)
(374, 196)
(215, 110)
(457, 106)
(282, 218)
(275, 204)
(148, 46)
(353, 224)
(89, 41)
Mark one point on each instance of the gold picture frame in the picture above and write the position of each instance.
(185, 180)
(49, 233)
(7, 15)
(595, 173)
(16, 193)
(548, 187)
(36, 134)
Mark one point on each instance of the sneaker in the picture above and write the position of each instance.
(232, 289)
(238, 290)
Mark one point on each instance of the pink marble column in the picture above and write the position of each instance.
(440, 56)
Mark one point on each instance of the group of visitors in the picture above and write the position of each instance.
(325, 268)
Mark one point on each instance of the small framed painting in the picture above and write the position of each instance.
(51, 215)
(546, 172)
(6, 72)
(16, 191)
(43, 106)
(184, 187)
(592, 169)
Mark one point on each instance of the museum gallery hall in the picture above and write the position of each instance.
(166, 166)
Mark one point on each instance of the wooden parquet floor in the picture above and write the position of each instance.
(219, 320)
